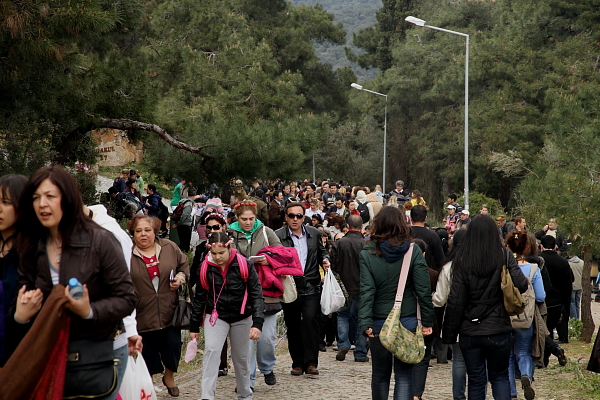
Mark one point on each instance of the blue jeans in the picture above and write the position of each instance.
(122, 353)
(265, 349)
(459, 373)
(576, 303)
(521, 354)
(382, 362)
(347, 318)
(491, 352)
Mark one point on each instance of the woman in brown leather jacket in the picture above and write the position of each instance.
(158, 268)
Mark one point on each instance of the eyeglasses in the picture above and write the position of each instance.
(295, 216)
(213, 227)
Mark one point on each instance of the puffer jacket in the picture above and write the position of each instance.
(229, 304)
(476, 304)
(155, 309)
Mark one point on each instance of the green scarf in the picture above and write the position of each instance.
(236, 227)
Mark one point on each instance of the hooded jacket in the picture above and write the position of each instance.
(379, 282)
(361, 198)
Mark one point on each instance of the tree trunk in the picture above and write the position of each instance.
(586, 297)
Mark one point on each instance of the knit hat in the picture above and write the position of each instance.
(215, 204)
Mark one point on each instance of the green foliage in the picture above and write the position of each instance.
(575, 328)
(355, 15)
(477, 199)
(64, 63)
(241, 77)
(353, 153)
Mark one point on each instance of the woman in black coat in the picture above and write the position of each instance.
(476, 308)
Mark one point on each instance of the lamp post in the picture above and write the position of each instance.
(359, 87)
(420, 22)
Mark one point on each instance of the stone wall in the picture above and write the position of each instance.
(114, 148)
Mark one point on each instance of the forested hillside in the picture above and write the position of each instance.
(355, 15)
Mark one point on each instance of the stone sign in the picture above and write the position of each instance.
(114, 148)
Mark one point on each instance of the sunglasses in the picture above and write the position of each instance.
(213, 227)
(295, 216)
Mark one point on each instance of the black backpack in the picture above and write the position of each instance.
(163, 211)
(364, 211)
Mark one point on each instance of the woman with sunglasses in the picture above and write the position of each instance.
(249, 237)
(213, 223)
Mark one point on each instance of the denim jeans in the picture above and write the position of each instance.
(520, 354)
(382, 362)
(459, 373)
(348, 317)
(265, 349)
(492, 351)
(122, 354)
(576, 303)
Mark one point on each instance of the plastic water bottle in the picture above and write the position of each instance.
(75, 289)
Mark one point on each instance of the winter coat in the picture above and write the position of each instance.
(561, 277)
(154, 308)
(345, 260)
(375, 203)
(95, 258)
(476, 304)
(310, 282)
(154, 200)
(229, 304)
(275, 215)
(379, 282)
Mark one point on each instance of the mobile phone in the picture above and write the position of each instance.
(255, 258)
(171, 276)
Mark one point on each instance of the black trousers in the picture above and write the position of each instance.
(328, 328)
(185, 236)
(551, 347)
(162, 348)
(302, 321)
(563, 326)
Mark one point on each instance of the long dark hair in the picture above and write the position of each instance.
(481, 251)
(457, 240)
(31, 231)
(389, 224)
(11, 187)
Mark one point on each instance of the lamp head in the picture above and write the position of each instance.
(416, 21)
(356, 86)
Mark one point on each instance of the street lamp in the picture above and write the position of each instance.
(359, 87)
(420, 22)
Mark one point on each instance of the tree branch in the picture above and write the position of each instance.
(127, 124)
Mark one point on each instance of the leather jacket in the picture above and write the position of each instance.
(311, 281)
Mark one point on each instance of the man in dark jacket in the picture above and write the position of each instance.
(558, 300)
(552, 229)
(435, 254)
(302, 316)
(345, 261)
(276, 211)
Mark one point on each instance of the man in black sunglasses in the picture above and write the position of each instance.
(302, 316)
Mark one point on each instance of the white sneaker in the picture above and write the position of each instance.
(352, 347)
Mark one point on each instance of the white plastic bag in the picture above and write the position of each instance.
(137, 382)
(290, 294)
(332, 297)
(191, 350)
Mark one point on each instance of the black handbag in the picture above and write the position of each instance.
(91, 370)
(183, 312)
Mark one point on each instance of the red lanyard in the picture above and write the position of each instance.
(216, 298)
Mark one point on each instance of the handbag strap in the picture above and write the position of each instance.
(402, 281)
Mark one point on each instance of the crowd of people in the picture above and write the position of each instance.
(248, 255)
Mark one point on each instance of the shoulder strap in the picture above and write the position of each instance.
(204, 273)
(265, 234)
(403, 277)
(243, 265)
(534, 268)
